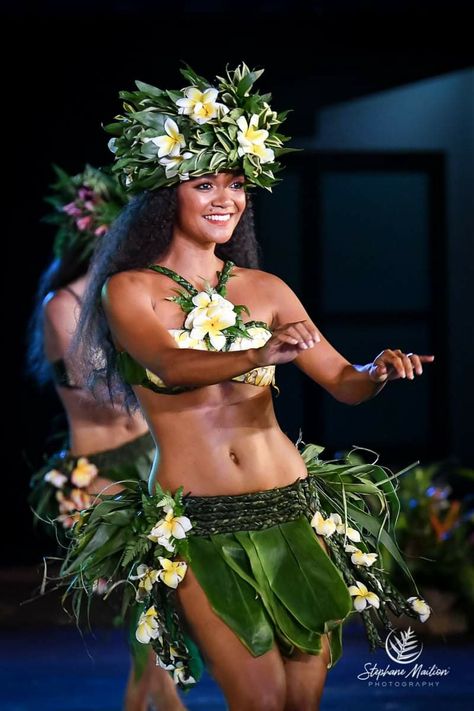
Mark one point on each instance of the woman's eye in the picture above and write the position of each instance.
(238, 185)
(203, 185)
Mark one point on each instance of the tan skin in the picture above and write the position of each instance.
(223, 438)
(93, 428)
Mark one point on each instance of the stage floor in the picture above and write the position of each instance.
(55, 669)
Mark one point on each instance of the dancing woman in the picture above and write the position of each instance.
(242, 552)
(105, 445)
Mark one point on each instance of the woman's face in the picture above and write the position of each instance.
(210, 207)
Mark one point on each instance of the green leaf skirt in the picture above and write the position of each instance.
(130, 461)
(256, 556)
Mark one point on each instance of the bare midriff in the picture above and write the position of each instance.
(220, 439)
(95, 427)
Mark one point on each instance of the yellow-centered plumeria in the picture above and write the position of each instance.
(359, 557)
(183, 338)
(333, 524)
(172, 163)
(258, 336)
(148, 627)
(172, 572)
(171, 525)
(252, 139)
(421, 607)
(201, 106)
(147, 577)
(84, 472)
(211, 315)
(363, 597)
(171, 142)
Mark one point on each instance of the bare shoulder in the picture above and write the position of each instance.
(59, 306)
(130, 283)
(265, 281)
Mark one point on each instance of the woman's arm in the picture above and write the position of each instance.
(136, 328)
(348, 383)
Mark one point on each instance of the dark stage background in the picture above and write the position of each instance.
(372, 224)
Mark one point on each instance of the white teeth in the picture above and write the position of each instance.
(217, 218)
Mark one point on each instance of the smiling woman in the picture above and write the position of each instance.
(241, 552)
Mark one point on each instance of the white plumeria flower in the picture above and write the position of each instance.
(258, 336)
(252, 140)
(201, 106)
(179, 674)
(363, 596)
(323, 526)
(83, 473)
(172, 572)
(359, 557)
(212, 322)
(351, 533)
(172, 163)
(55, 478)
(147, 577)
(183, 338)
(202, 302)
(148, 627)
(171, 525)
(171, 143)
(421, 607)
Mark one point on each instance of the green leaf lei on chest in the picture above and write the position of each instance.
(212, 322)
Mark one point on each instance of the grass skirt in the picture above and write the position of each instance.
(255, 555)
(59, 488)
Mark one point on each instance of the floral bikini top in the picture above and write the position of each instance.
(212, 323)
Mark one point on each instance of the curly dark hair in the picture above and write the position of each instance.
(60, 272)
(139, 236)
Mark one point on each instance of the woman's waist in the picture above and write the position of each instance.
(227, 463)
(88, 438)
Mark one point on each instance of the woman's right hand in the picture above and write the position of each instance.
(286, 343)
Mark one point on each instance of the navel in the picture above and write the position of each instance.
(234, 457)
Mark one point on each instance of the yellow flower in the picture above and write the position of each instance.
(147, 628)
(257, 338)
(171, 143)
(358, 557)
(363, 597)
(183, 338)
(421, 607)
(351, 533)
(147, 577)
(171, 525)
(172, 163)
(252, 139)
(201, 106)
(55, 478)
(172, 573)
(84, 473)
(211, 321)
(323, 526)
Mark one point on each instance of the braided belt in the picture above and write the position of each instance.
(247, 512)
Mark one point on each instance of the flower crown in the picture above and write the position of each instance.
(85, 205)
(167, 136)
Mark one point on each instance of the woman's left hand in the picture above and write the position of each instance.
(393, 364)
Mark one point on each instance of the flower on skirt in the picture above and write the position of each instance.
(363, 596)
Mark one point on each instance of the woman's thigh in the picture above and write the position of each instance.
(249, 683)
(305, 678)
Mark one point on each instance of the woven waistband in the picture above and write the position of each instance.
(250, 511)
(126, 453)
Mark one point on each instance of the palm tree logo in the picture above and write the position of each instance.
(402, 646)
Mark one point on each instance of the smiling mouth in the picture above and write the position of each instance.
(217, 218)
